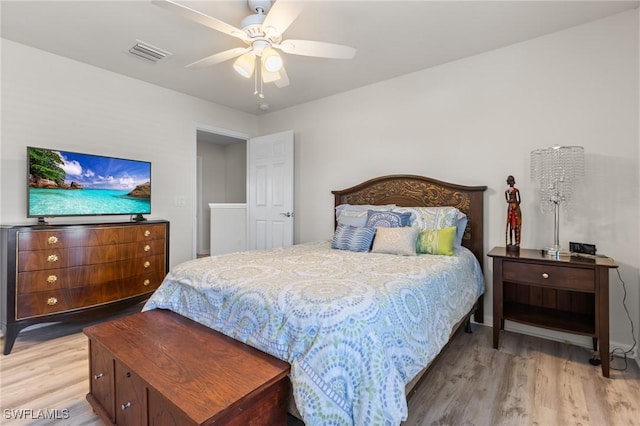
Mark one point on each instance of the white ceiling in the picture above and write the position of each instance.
(392, 38)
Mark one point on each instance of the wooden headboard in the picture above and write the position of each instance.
(420, 191)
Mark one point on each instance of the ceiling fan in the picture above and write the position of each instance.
(262, 33)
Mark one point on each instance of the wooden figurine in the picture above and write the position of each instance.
(514, 216)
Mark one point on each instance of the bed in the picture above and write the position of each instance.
(359, 328)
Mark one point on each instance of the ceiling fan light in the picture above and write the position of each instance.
(268, 76)
(271, 60)
(245, 65)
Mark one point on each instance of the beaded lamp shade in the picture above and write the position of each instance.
(557, 170)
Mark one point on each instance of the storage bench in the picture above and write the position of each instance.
(160, 368)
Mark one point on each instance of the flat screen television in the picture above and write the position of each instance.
(63, 183)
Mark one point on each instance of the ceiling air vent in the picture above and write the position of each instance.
(148, 52)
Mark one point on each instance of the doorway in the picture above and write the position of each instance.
(221, 177)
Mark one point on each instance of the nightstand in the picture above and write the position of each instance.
(569, 294)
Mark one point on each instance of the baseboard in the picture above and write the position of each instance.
(204, 253)
(558, 336)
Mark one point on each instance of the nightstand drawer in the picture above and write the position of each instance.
(558, 277)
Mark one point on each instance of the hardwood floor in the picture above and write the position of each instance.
(529, 381)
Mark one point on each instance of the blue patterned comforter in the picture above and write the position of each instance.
(355, 327)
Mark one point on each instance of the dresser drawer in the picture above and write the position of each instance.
(48, 279)
(43, 259)
(79, 276)
(119, 290)
(36, 260)
(86, 237)
(66, 300)
(577, 279)
(141, 249)
(53, 239)
(113, 253)
(41, 240)
(43, 303)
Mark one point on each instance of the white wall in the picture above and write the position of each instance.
(475, 121)
(51, 101)
(236, 177)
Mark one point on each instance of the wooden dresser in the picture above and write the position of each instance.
(62, 272)
(569, 294)
(160, 368)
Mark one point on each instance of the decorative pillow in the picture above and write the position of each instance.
(461, 226)
(395, 240)
(352, 238)
(437, 218)
(356, 215)
(431, 217)
(436, 241)
(387, 219)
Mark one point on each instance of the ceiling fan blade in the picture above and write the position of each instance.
(280, 16)
(201, 18)
(284, 79)
(316, 48)
(219, 57)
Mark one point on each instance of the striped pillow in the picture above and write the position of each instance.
(353, 238)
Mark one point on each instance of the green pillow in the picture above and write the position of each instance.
(436, 241)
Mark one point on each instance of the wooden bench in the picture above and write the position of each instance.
(160, 368)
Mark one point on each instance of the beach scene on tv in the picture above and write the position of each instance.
(73, 184)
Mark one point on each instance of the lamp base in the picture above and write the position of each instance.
(555, 252)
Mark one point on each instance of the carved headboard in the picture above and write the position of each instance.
(420, 191)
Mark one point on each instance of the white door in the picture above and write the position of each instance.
(270, 191)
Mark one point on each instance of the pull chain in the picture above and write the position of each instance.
(258, 78)
(255, 79)
(261, 94)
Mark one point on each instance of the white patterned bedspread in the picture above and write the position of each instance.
(355, 327)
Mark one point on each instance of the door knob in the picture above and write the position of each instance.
(287, 214)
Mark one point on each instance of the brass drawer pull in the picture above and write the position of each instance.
(545, 275)
(52, 258)
(147, 247)
(146, 282)
(147, 264)
(52, 301)
(147, 233)
(52, 279)
(98, 376)
(125, 406)
(52, 239)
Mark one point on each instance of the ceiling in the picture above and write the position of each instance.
(392, 38)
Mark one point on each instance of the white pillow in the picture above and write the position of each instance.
(396, 240)
(356, 214)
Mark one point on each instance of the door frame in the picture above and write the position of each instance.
(196, 198)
